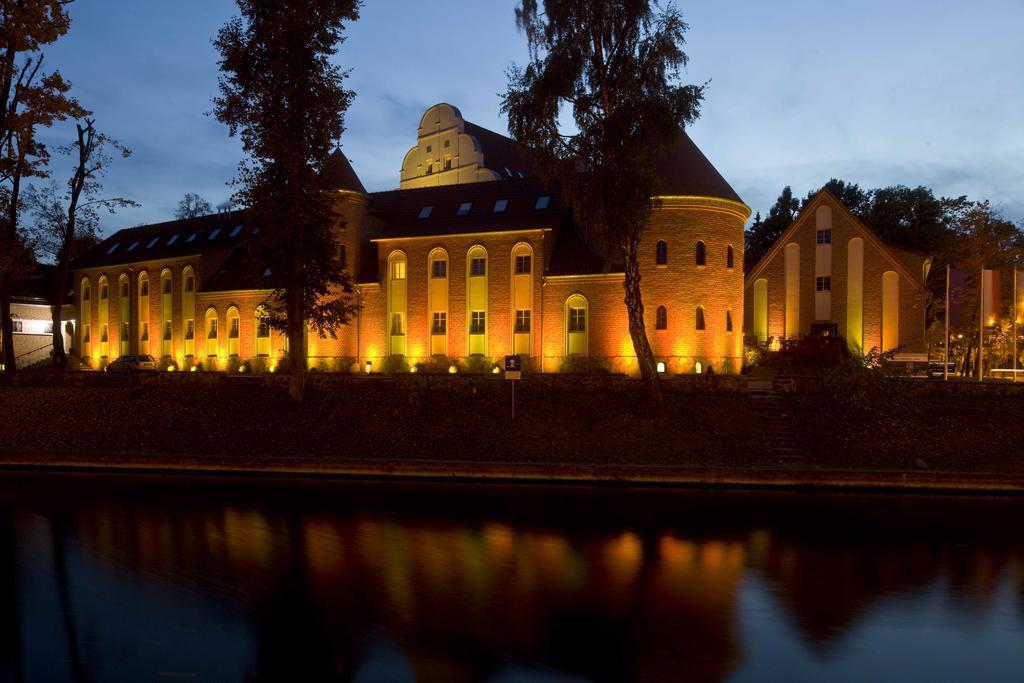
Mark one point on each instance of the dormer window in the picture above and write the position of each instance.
(500, 206)
(425, 212)
(174, 238)
(113, 248)
(132, 245)
(464, 209)
(235, 230)
(213, 235)
(150, 244)
(542, 202)
(191, 238)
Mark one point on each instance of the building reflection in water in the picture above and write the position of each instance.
(331, 592)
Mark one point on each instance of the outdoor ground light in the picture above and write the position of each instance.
(193, 368)
(367, 367)
(413, 369)
(496, 370)
(452, 369)
(171, 368)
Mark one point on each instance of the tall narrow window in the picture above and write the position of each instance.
(104, 316)
(728, 321)
(397, 303)
(166, 311)
(124, 304)
(522, 298)
(522, 264)
(143, 313)
(661, 319)
(262, 332)
(576, 337)
(700, 318)
(728, 257)
(476, 300)
(661, 253)
(478, 267)
(522, 322)
(701, 254)
(188, 309)
(437, 301)
(212, 333)
(478, 322)
(233, 331)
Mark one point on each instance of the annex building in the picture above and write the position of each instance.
(829, 274)
(470, 259)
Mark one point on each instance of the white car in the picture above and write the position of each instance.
(131, 364)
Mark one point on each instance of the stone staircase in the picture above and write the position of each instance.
(779, 437)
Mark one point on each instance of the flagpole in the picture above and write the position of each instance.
(1015, 323)
(945, 353)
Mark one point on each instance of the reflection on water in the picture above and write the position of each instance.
(125, 580)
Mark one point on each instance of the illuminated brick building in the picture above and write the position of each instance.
(472, 257)
(830, 274)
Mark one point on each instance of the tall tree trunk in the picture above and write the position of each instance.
(8, 329)
(6, 280)
(296, 345)
(635, 313)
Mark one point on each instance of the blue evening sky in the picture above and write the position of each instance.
(875, 92)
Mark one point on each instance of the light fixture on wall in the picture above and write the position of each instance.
(367, 367)
(661, 367)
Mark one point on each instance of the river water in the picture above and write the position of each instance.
(131, 579)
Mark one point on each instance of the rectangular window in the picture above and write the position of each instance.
(397, 328)
(103, 334)
(464, 209)
(145, 332)
(478, 322)
(522, 264)
(440, 325)
(167, 330)
(212, 334)
(522, 322)
(398, 270)
(425, 211)
(501, 205)
(190, 284)
(823, 284)
(439, 269)
(447, 163)
(166, 286)
(478, 267)
(144, 289)
(262, 329)
(728, 321)
(124, 290)
(542, 202)
(233, 331)
(824, 237)
(85, 335)
(190, 330)
(103, 292)
(18, 325)
(124, 331)
(577, 320)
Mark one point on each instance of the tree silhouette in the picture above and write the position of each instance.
(191, 206)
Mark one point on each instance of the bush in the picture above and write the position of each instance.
(869, 390)
(813, 352)
(584, 365)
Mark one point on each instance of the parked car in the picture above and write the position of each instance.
(131, 364)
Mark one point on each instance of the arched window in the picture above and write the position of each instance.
(890, 310)
(86, 315)
(728, 321)
(761, 309)
(661, 253)
(700, 317)
(437, 301)
(701, 254)
(143, 309)
(124, 304)
(262, 328)
(188, 309)
(577, 340)
(166, 312)
(104, 316)
(522, 298)
(397, 302)
(728, 257)
(661, 319)
(233, 330)
(212, 333)
(476, 299)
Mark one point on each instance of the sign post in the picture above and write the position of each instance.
(513, 371)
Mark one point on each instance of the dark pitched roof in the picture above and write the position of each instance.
(501, 154)
(685, 171)
(401, 209)
(172, 239)
(571, 255)
(341, 175)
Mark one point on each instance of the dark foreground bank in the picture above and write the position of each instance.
(386, 429)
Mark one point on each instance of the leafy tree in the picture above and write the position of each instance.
(279, 92)
(191, 206)
(63, 223)
(856, 200)
(30, 98)
(615, 65)
(763, 234)
(915, 217)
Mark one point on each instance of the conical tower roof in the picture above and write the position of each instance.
(686, 172)
(341, 175)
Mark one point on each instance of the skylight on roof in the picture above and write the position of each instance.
(132, 245)
(213, 235)
(149, 244)
(113, 248)
(520, 174)
(425, 212)
(500, 206)
(191, 237)
(464, 209)
(174, 238)
(235, 230)
(508, 172)
(542, 202)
